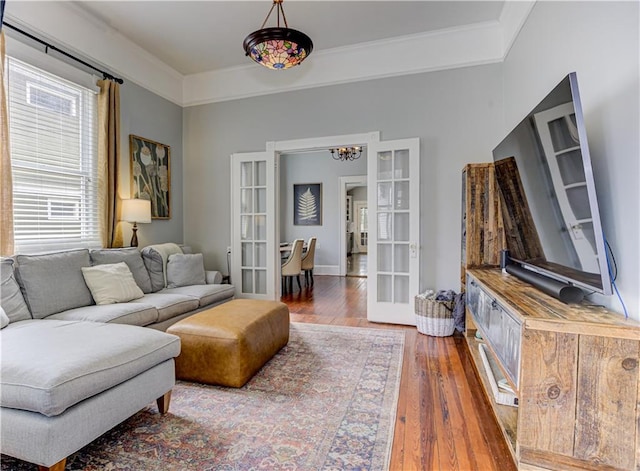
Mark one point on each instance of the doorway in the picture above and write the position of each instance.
(357, 257)
(394, 234)
(350, 187)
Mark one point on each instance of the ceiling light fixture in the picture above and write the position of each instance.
(277, 48)
(346, 153)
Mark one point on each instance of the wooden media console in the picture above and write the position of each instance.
(574, 369)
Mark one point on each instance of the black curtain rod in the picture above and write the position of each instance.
(105, 75)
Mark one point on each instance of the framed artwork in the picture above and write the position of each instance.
(151, 175)
(307, 204)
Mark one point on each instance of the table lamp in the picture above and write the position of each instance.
(136, 211)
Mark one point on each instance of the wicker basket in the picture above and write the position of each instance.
(434, 317)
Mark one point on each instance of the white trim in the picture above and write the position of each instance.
(77, 30)
(82, 33)
(445, 49)
(332, 270)
(512, 19)
(322, 143)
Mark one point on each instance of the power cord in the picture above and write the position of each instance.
(613, 277)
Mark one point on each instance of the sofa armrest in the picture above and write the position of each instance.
(213, 277)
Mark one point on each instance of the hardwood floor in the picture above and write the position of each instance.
(357, 264)
(443, 422)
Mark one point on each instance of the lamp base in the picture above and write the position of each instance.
(134, 237)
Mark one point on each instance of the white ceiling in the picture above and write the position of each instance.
(190, 52)
(198, 36)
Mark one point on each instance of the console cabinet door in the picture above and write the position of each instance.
(578, 401)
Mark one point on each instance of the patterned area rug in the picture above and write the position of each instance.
(327, 401)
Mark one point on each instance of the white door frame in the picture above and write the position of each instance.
(311, 144)
(358, 179)
(372, 141)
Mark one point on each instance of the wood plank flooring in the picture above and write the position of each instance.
(444, 421)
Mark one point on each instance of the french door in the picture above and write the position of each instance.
(393, 216)
(394, 230)
(253, 225)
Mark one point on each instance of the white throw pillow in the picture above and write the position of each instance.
(111, 283)
(4, 319)
(185, 270)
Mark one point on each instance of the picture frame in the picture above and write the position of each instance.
(307, 204)
(150, 169)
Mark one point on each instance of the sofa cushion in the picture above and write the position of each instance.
(53, 282)
(185, 270)
(168, 304)
(206, 294)
(123, 313)
(11, 298)
(111, 283)
(67, 362)
(132, 257)
(155, 258)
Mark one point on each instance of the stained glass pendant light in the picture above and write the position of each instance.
(277, 48)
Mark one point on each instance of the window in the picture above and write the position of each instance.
(53, 139)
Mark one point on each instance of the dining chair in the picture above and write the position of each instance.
(293, 266)
(308, 261)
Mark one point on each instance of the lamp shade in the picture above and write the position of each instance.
(136, 210)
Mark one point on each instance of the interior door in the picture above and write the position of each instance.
(253, 226)
(394, 230)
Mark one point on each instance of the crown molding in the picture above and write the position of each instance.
(79, 31)
(445, 49)
(512, 19)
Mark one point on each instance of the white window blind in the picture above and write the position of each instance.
(53, 138)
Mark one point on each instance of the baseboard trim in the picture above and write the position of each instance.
(326, 270)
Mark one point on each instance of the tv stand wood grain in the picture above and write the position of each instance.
(577, 378)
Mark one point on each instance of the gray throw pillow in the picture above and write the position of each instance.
(11, 298)
(132, 257)
(185, 270)
(152, 256)
(53, 282)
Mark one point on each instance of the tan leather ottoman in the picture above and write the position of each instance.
(229, 343)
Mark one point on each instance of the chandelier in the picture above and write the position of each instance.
(346, 153)
(277, 48)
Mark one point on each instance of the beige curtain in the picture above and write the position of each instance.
(6, 182)
(109, 201)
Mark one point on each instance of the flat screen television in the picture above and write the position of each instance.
(549, 204)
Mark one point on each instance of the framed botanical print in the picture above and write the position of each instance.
(151, 174)
(307, 204)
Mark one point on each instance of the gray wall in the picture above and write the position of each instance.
(316, 167)
(145, 114)
(455, 113)
(600, 42)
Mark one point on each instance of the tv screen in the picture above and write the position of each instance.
(549, 204)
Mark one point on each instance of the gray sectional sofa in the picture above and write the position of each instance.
(71, 369)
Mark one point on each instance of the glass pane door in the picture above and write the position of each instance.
(394, 231)
(253, 236)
